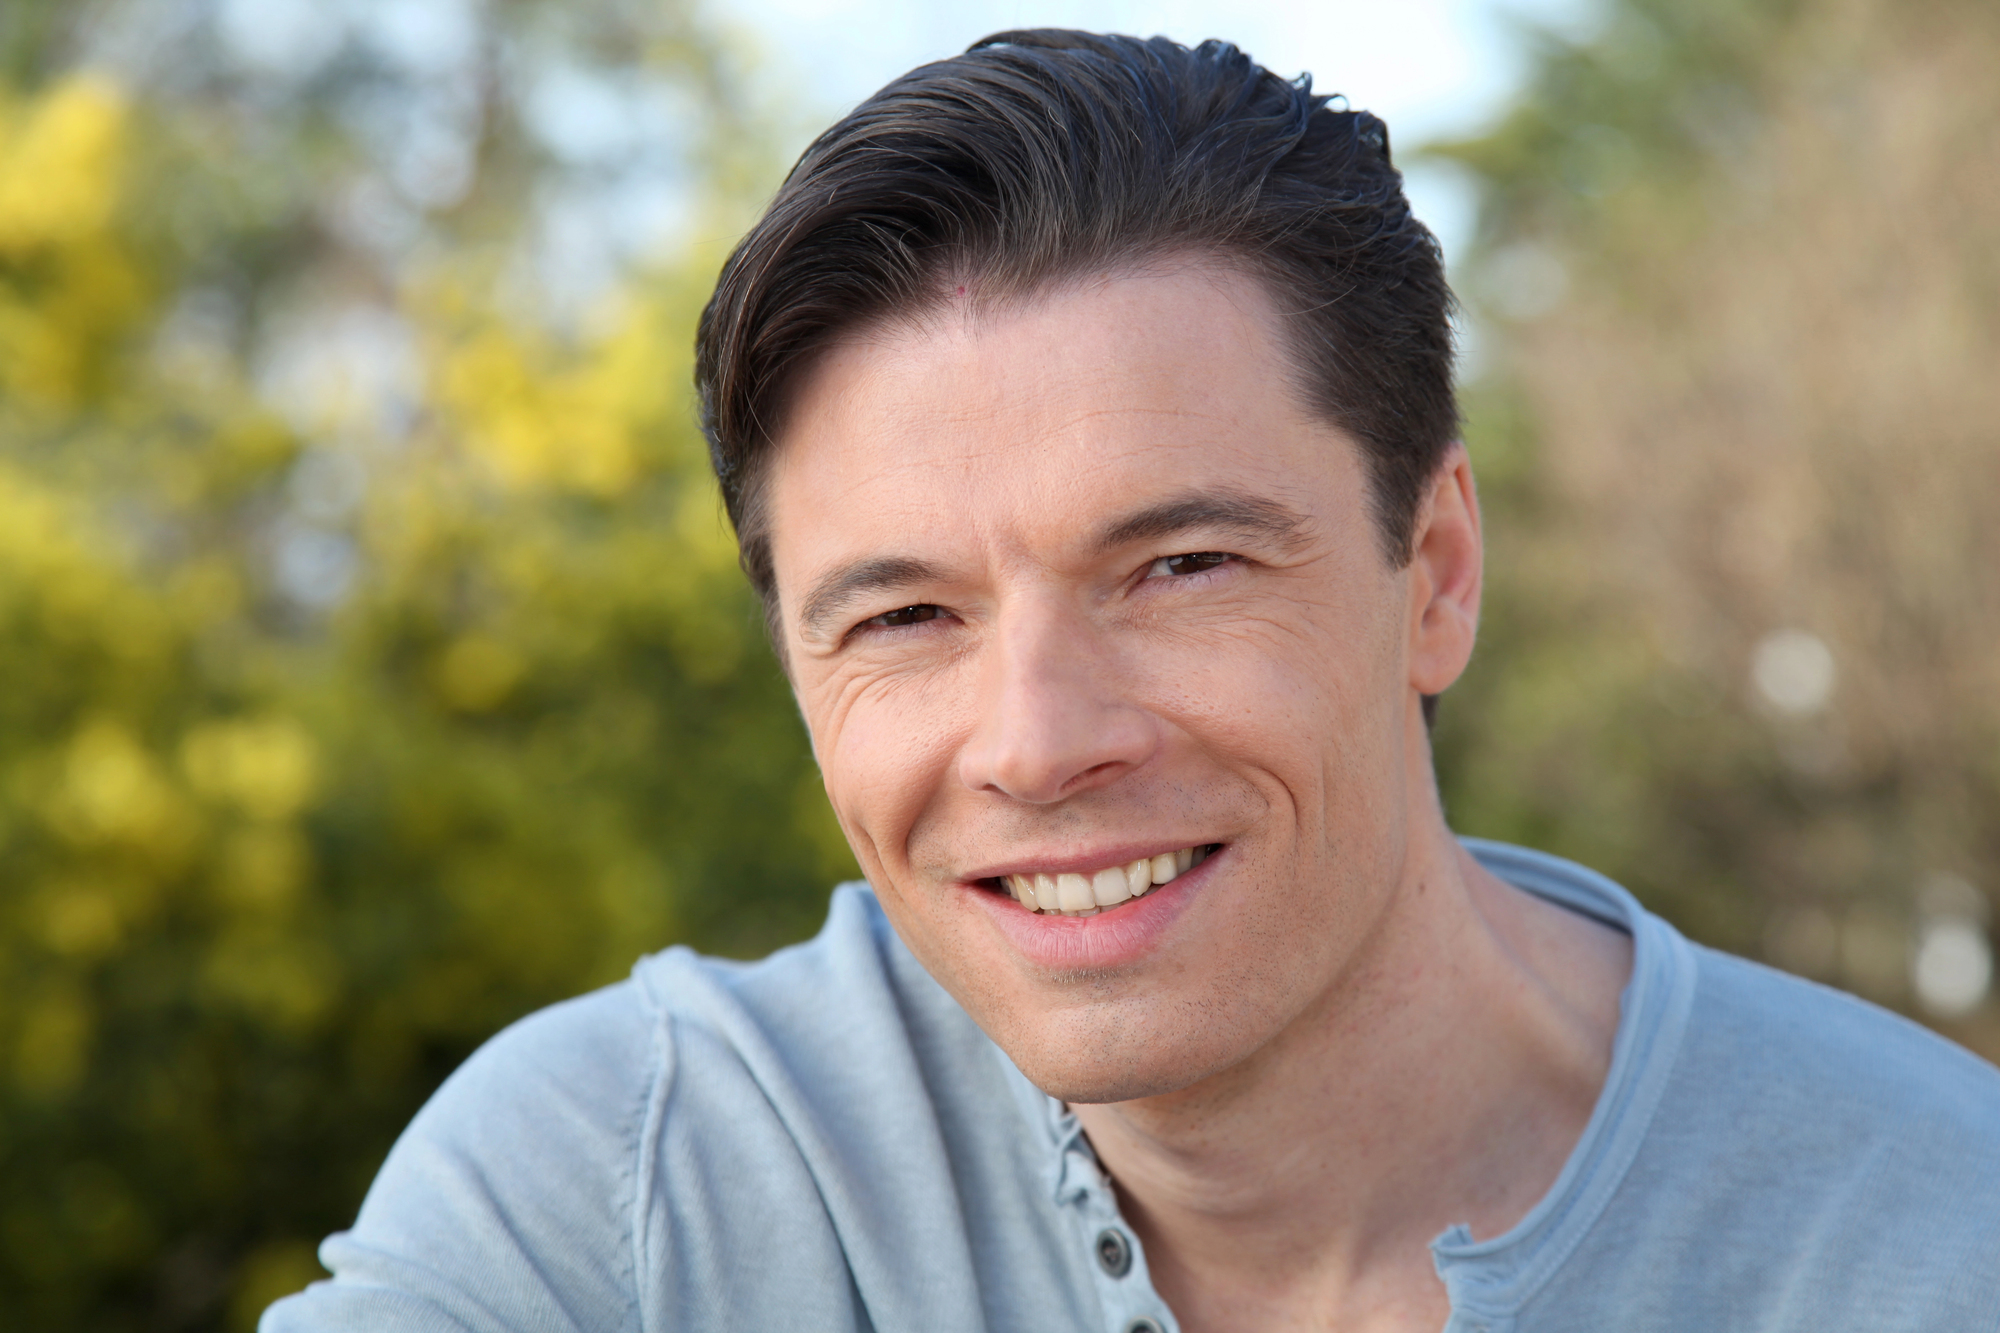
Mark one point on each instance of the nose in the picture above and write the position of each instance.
(1055, 716)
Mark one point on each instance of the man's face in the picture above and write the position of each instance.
(1074, 584)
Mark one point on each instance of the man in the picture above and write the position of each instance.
(1084, 410)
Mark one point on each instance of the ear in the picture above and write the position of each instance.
(1445, 575)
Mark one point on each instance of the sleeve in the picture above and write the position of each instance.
(508, 1203)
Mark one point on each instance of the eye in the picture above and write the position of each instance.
(1178, 566)
(908, 615)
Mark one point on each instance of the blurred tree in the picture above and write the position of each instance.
(373, 664)
(1737, 268)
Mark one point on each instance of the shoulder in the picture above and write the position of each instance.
(1872, 1135)
(585, 1062)
(1815, 1161)
(1799, 1051)
(534, 1188)
(1771, 1053)
(572, 1092)
(1812, 1162)
(506, 1203)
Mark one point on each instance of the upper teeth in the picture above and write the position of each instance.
(1086, 895)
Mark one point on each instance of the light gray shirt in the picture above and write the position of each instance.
(824, 1140)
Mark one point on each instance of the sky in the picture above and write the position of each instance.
(1430, 68)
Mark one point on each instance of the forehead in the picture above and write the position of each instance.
(1007, 423)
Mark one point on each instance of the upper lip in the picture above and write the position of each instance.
(1058, 863)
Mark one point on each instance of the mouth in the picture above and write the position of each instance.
(1088, 893)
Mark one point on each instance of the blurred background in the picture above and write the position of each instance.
(373, 664)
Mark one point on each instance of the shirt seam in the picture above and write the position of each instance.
(1672, 1002)
(648, 1119)
(1617, 1164)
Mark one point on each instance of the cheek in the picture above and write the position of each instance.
(885, 751)
(1298, 682)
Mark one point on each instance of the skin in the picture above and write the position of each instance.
(1338, 1036)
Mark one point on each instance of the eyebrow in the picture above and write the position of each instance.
(1225, 510)
(840, 588)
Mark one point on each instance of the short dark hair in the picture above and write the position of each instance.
(1044, 155)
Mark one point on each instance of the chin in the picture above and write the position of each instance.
(1091, 1073)
(1104, 1090)
(1082, 1084)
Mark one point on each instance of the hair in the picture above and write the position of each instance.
(1045, 155)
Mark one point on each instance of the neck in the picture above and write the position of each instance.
(1444, 1079)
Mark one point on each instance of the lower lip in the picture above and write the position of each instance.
(1116, 937)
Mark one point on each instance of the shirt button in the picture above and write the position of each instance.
(1114, 1253)
(1144, 1325)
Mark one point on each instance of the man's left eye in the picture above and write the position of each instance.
(1172, 566)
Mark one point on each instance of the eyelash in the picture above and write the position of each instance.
(1208, 560)
(925, 612)
(918, 614)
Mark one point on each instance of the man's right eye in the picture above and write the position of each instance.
(909, 615)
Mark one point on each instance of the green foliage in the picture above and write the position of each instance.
(348, 710)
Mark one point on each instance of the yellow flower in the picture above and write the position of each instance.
(59, 164)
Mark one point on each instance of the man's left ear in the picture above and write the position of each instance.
(1445, 576)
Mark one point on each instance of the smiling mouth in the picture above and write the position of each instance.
(1073, 894)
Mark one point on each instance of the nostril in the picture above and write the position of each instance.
(1091, 775)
